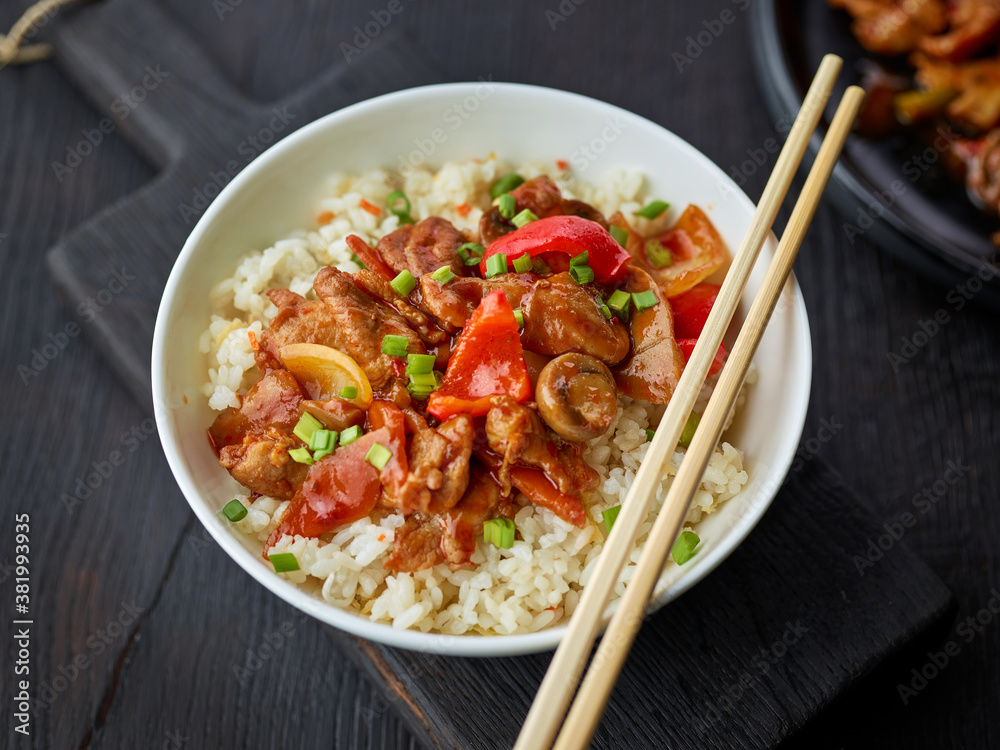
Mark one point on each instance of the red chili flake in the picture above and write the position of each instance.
(370, 208)
(463, 209)
(253, 341)
(562, 164)
(325, 218)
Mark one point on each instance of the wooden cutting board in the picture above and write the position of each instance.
(778, 631)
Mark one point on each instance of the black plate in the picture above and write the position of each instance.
(923, 217)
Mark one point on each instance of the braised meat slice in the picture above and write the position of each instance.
(438, 467)
(562, 316)
(261, 463)
(518, 434)
(274, 401)
(452, 304)
(655, 366)
(894, 27)
(423, 247)
(381, 289)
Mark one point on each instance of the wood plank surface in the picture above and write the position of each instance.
(182, 650)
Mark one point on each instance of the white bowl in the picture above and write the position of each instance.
(277, 193)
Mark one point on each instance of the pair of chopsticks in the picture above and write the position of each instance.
(557, 689)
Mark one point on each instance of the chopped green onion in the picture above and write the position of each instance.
(395, 345)
(519, 317)
(284, 562)
(684, 547)
(348, 392)
(522, 263)
(323, 440)
(496, 265)
(606, 310)
(499, 532)
(349, 435)
(378, 456)
(301, 456)
(653, 209)
(402, 213)
(471, 253)
(649, 435)
(318, 455)
(658, 255)
(424, 379)
(404, 283)
(418, 364)
(525, 217)
(582, 274)
(609, 517)
(505, 184)
(443, 275)
(358, 260)
(687, 434)
(580, 260)
(306, 426)
(645, 300)
(508, 206)
(620, 302)
(235, 511)
(620, 235)
(540, 267)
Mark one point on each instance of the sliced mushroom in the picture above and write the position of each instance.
(577, 397)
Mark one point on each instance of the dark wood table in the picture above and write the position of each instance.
(140, 640)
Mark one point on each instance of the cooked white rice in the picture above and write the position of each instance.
(537, 582)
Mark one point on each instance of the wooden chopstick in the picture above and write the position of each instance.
(587, 709)
(567, 665)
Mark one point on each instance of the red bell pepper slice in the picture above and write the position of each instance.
(541, 490)
(687, 346)
(488, 361)
(385, 414)
(696, 248)
(691, 310)
(569, 235)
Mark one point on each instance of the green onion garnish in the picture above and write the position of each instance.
(508, 206)
(620, 235)
(505, 184)
(519, 317)
(323, 440)
(394, 345)
(687, 434)
(496, 265)
(620, 302)
(606, 310)
(658, 255)
(358, 260)
(649, 435)
(609, 517)
(348, 392)
(471, 253)
(404, 283)
(652, 209)
(582, 274)
(349, 435)
(318, 455)
(378, 456)
(522, 263)
(644, 300)
(525, 217)
(684, 547)
(424, 379)
(580, 260)
(417, 364)
(234, 510)
(284, 562)
(306, 426)
(301, 456)
(540, 267)
(443, 275)
(402, 213)
(499, 532)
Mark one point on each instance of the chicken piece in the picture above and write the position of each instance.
(423, 248)
(344, 318)
(543, 198)
(518, 434)
(894, 27)
(261, 463)
(562, 316)
(982, 160)
(437, 467)
(655, 366)
(274, 401)
(451, 304)
(978, 83)
(973, 24)
(380, 289)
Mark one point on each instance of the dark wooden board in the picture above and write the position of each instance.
(171, 673)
